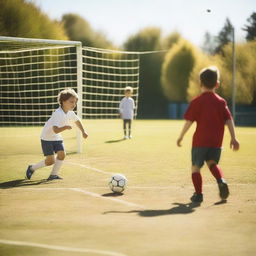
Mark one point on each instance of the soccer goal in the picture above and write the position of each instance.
(33, 71)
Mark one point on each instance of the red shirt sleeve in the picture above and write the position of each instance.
(227, 114)
(190, 113)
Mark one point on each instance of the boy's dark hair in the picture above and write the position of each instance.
(66, 94)
(209, 77)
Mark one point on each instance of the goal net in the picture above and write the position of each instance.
(32, 74)
(105, 75)
(33, 71)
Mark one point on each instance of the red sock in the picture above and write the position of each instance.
(197, 181)
(216, 171)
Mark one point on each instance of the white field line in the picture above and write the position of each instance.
(89, 193)
(90, 168)
(108, 198)
(60, 248)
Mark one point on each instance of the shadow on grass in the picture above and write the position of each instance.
(114, 194)
(177, 209)
(114, 141)
(223, 201)
(21, 183)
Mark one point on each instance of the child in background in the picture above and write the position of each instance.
(211, 113)
(51, 140)
(126, 109)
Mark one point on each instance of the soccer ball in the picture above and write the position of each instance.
(117, 183)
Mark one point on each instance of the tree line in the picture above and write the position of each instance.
(169, 76)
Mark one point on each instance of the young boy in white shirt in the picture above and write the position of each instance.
(126, 109)
(51, 140)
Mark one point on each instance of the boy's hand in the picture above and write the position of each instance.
(179, 140)
(234, 144)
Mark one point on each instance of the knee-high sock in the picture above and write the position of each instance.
(56, 166)
(197, 181)
(216, 171)
(38, 165)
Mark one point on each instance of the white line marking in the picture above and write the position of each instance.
(60, 248)
(104, 197)
(90, 168)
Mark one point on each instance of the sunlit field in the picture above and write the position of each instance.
(153, 217)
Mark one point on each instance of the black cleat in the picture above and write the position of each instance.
(54, 177)
(197, 198)
(223, 188)
(29, 172)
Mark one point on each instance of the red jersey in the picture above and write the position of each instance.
(210, 112)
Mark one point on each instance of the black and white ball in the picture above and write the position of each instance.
(118, 183)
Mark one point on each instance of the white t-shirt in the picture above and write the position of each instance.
(127, 107)
(58, 118)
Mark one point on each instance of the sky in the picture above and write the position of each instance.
(119, 19)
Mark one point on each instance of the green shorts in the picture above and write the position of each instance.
(202, 154)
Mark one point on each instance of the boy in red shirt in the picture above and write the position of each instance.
(211, 113)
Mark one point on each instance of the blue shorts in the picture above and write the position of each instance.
(202, 154)
(51, 147)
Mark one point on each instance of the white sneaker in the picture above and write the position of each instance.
(125, 137)
(130, 136)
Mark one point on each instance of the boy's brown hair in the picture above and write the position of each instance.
(66, 94)
(209, 77)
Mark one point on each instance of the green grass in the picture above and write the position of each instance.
(159, 180)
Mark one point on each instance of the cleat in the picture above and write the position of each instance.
(197, 198)
(54, 177)
(223, 188)
(29, 172)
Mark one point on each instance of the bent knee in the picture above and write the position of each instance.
(61, 155)
(49, 161)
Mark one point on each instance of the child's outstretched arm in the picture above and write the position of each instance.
(183, 132)
(234, 144)
(81, 128)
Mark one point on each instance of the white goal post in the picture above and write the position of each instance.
(33, 71)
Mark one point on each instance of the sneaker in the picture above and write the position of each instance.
(125, 137)
(130, 136)
(54, 177)
(196, 198)
(29, 172)
(223, 188)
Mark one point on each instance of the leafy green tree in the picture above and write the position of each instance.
(20, 18)
(152, 103)
(210, 44)
(245, 72)
(78, 29)
(177, 67)
(251, 27)
(224, 36)
(171, 39)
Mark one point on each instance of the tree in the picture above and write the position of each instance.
(78, 29)
(224, 36)
(245, 72)
(251, 27)
(209, 44)
(172, 39)
(177, 67)
(152, 103)
(23, 19)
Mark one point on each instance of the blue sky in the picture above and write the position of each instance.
(118, 19)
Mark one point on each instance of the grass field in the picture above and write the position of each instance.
(154, 217)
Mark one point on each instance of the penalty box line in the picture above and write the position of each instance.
(60, 248)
